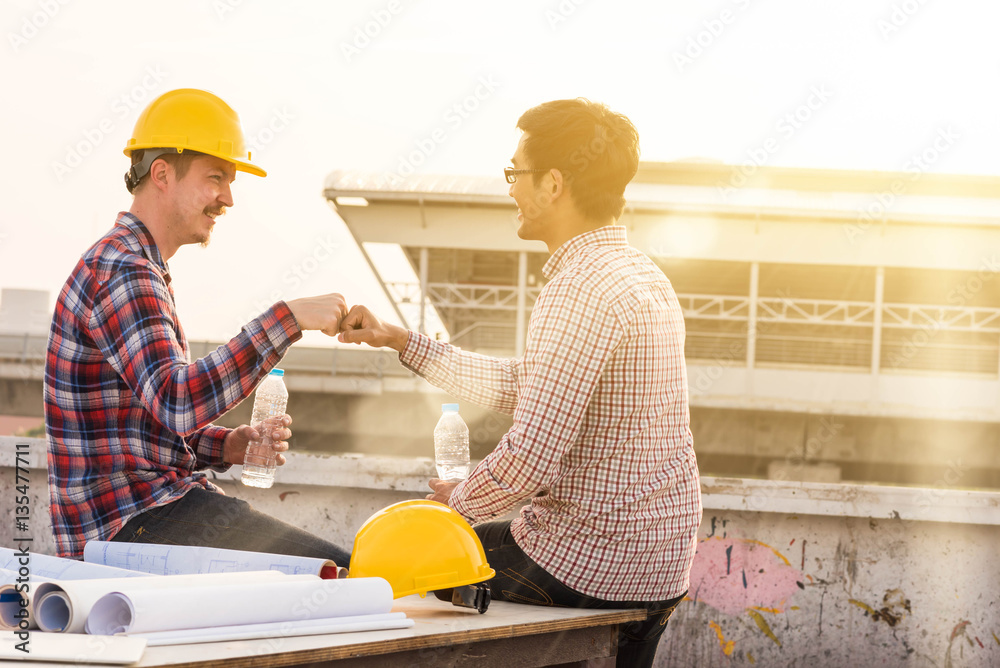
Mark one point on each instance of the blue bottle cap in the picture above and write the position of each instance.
(449, 407)
(277, 372)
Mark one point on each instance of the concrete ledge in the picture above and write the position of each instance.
(410, 474)
(359, 471)
(922, 504)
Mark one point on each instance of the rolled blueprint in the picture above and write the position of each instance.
(15, 597)
(305, 627)
(142, 611)
(186, 559)
(58, 568)
(64, 606)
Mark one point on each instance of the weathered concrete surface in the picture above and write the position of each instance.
(797, 574)
(778, 589)
(787, 574)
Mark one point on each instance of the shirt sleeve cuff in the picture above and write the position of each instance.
(209, 447)
(412, 350)
(420, 352)
(275, 329)
(457, 503)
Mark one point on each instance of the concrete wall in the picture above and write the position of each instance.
(787, 574)
(796, 574)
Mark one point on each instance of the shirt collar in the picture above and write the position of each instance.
(146, 241)
(608, 235)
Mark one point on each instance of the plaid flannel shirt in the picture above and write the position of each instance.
(601, 440)
(127, 414)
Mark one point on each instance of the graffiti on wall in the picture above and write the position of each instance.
(755, 598)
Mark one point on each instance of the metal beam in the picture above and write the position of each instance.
(752, 303)
(877, 323)
(385, 286)
(423, 289)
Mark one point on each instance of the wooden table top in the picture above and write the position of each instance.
(437, 624)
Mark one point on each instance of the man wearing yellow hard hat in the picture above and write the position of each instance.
(128, 416)
(601, 440)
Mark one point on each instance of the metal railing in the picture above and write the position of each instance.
(841, 333)
(819, 332)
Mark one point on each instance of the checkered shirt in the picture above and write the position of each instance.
(601, 440)
(127, 415)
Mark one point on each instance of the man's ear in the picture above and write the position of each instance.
(557, 185)
(159, 173)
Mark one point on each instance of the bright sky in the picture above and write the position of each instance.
(863, 84)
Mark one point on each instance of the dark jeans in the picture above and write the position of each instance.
(210, 519)
(521, 580)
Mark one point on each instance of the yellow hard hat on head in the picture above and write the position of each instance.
(419, 546)
(188, 119)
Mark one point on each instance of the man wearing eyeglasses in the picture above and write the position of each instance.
(601, 441)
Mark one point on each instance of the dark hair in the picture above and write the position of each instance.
(596, 149)
(180, 162)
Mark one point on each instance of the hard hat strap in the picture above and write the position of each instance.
(141, 168)
(475, 596)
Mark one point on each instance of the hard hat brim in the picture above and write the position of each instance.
(482, 576)
(241, 165)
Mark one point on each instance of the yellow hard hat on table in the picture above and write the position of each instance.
(419, 546)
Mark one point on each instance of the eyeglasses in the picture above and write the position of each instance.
(510, 173)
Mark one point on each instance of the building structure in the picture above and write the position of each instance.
(840, 325)
(844, 319)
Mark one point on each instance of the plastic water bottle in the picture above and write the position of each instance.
(269, 405)
(451, 445)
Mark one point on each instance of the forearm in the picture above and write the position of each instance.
(561, 369)
(208, 445)
(490, 382)
(489, 493)
(142, 345)
(194, 395)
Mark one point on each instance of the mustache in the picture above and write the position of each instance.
(217, 210)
